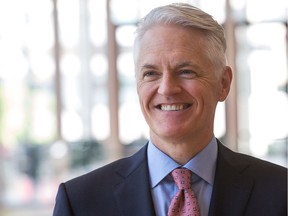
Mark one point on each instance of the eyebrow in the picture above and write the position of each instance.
(189, 64)
(185, 64)
(180, 65)
(148, 66)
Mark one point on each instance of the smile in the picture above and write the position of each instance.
(174, 107)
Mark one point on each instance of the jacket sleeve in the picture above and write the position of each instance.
(62, 206)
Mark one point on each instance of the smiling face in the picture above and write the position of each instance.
(177, 84)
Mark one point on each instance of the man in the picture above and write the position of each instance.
(181, 75)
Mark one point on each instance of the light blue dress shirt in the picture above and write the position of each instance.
(202, 165)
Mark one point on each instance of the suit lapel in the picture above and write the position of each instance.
(232, 187)
(133, 193)
(231, 191)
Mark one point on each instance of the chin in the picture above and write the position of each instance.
(171, 134)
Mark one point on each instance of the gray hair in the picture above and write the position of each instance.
(187, 16)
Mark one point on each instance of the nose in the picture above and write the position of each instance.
(169, 85)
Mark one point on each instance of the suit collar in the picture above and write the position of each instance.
(133, 193)
(232, 188)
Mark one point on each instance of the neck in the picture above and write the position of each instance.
(181, 151)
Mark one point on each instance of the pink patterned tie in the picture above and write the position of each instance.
(184, 203)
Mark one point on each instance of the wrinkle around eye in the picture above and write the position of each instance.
(150, 75)
(148, 71)
(188, 74)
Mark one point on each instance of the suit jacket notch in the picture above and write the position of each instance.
(133, 193)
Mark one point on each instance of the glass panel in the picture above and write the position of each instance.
(120, 14)
(125, 35)
(99, 66)
(27, 104)
(98, 19)
(263, 105)
(215, 8)
(100, 121)
(269, 10)
(68, 11)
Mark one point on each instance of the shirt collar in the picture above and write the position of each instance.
(203, 164)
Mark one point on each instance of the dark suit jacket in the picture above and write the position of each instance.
(243, 186)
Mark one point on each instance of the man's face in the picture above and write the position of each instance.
(177, 83)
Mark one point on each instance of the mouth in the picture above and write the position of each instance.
(173, 107)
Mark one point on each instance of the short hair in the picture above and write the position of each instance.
(187, 16)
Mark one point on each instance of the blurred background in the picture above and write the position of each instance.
(68, 101)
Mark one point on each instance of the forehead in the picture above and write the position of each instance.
(171, 43)
(172, 35)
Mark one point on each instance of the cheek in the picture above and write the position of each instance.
(194, 88)
(143, 94)
(145, 89)
(204, 94)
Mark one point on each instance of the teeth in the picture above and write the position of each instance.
(172, 107)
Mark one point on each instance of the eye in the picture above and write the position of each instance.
(150, 75)
(188, 73)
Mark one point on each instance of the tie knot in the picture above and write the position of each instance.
(182, 178)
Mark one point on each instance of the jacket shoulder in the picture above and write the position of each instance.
(246, 185)
(266, 177)
(109, 173)
(92, 191)
(247, 162)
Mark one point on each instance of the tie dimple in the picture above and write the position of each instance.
(182, 178)
(184, 203)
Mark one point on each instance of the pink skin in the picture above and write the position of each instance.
(174, 69)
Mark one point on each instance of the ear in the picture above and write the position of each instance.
(225, 84)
